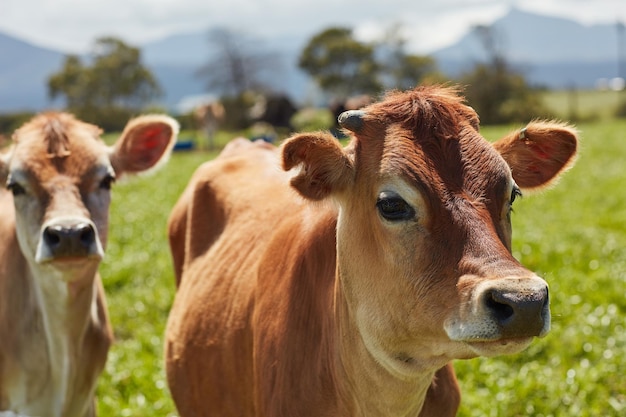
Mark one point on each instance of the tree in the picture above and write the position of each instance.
(498, 92)
(399, 69)
(237, 64)
(340, 64)
(411, 70)
(344, 66)
(109, 89)
(236, 69)
(70, 82)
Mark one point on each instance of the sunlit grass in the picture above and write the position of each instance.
(139, 282)
(574, 235)
(592, 105)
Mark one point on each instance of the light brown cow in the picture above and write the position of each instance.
(209, 116)
(54, 329)
(352, 298)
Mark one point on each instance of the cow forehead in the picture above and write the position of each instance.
(465, 164)
(458, 185)
(430, 136)
(53, 144)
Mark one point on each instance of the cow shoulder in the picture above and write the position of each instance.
(13, 292)
(99, 335)
(226, 189)
(294, 296)
(539, 153)
(195, 220)
(177, 230)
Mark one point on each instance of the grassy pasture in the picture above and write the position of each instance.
(574, 235)
(588, 105)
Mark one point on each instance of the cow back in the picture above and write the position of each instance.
(257, 260)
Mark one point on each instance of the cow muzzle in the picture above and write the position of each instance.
(518, 313)
(507, 310)
(69, 239)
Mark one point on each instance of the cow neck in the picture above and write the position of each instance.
(368, 388)
(65, 311)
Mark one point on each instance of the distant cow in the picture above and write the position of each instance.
(209, 116)
(54, 328)
(353, 297)
(274, 109)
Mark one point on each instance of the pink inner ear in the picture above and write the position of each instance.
(143, 147)
(533, 168)
(152, 138)
(544, 151)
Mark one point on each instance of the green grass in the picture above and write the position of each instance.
(139, 282)
(590, 105)
(574, 235)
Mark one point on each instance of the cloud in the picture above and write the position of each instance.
(72, 25)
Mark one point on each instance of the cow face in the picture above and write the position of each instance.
(60, 174)
(424, 234)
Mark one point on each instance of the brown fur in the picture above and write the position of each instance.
(54, 327)
(313, 305)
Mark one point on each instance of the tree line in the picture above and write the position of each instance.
(114, 84)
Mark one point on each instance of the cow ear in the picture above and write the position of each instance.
(539, 153)
(145, 142)
(325, 167)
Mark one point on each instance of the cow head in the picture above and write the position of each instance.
(424, 232)
(60, 174)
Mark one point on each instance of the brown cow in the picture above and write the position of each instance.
(352, 298)
(54, 329)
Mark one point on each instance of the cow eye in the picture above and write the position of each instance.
(107, 181)
(15, 188)
(393, 208)
(516, 192)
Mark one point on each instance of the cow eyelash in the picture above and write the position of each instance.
(15, 188)
(516, 192)
(393, 208)
(107, 182)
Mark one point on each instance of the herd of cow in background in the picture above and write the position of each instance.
(373, 297)
(268, 114)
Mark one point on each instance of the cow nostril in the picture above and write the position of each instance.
(52, 235)
(518, 311)
(86, 234)
(70, 240)
(501, 310)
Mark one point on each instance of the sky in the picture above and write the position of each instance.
(71, 26)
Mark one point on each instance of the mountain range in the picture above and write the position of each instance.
(551, 51)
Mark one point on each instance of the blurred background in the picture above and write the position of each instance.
(265, 61)
(266, 68)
